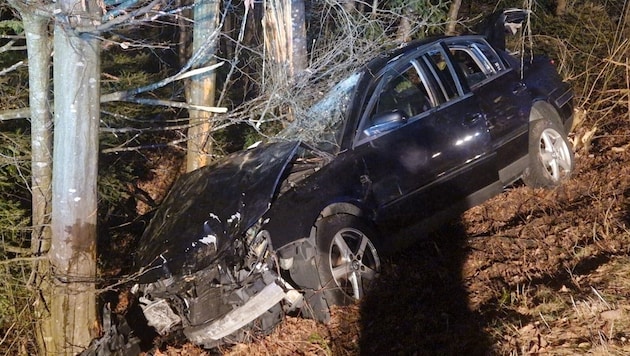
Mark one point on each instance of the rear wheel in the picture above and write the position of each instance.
(347, 259)
(551, 157)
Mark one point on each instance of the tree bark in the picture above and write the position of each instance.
(38, 48)
(76, 75)
(453, 13)
(202, 87)
(404, 26)
(561, 7)
(299, 58)
(285, 37)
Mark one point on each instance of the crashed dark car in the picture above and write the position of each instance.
(300, 223)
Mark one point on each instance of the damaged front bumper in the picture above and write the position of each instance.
(211, 314)
(237, 319)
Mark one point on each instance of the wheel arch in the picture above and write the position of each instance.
(542, 109)
(342, 208)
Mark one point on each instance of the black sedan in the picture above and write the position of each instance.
(300, 223)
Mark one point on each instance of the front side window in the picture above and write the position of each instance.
(404, 92)
(401, 95)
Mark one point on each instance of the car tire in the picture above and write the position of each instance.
(551, 159)
(347, 259)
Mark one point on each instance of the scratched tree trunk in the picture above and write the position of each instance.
(285, 43)
(76, 75)
(285, 37)
(202, 87)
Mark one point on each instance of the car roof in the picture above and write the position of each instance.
(379, 62)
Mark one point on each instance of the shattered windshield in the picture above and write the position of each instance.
(322, 124)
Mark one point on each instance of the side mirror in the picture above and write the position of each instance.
(385, 122)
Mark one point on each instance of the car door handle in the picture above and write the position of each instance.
(519, 89)
(472, 119)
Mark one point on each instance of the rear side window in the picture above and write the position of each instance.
(440, 67)
(468, 64)
(477, 60)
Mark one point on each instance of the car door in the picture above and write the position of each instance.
(503, 98)
(425, 146)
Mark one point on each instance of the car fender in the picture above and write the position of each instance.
(210, 206)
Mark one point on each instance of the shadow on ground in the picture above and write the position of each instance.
(420, 304)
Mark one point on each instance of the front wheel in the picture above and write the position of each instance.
(551, 159)
(347, 259)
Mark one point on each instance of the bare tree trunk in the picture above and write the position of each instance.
(285, 42)
(453, 13)
(202, 87)
(299, 60)
(349, 5)
(38, 48)
(76, 73)
(626, 20)
(561, 7)
(183, 27)
(285, 37)
(404, 27)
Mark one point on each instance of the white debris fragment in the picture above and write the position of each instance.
(254, 145)
(209, 240)
(235, 217)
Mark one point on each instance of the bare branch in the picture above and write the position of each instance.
(176, 104)
(12, 68)
(10, 46)
(21, 113)
(126, 95)
(109, 22)
(23, 259)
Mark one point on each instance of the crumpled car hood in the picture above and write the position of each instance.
(210, 206)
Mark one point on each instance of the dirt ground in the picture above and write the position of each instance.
(529, 272)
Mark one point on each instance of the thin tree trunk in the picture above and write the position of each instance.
(38, 48)
(183, 25)
(404, 27)
(76, 71)
(349, 5)
(625, 22)
(299, 58)
(561, 7)
(453, 14)
(202, 87)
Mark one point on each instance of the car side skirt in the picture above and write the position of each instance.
(411, 234)
(514, 171)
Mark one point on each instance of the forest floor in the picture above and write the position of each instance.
(528, 272)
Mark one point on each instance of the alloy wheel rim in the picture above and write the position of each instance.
(354, 262)
(554, 154)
